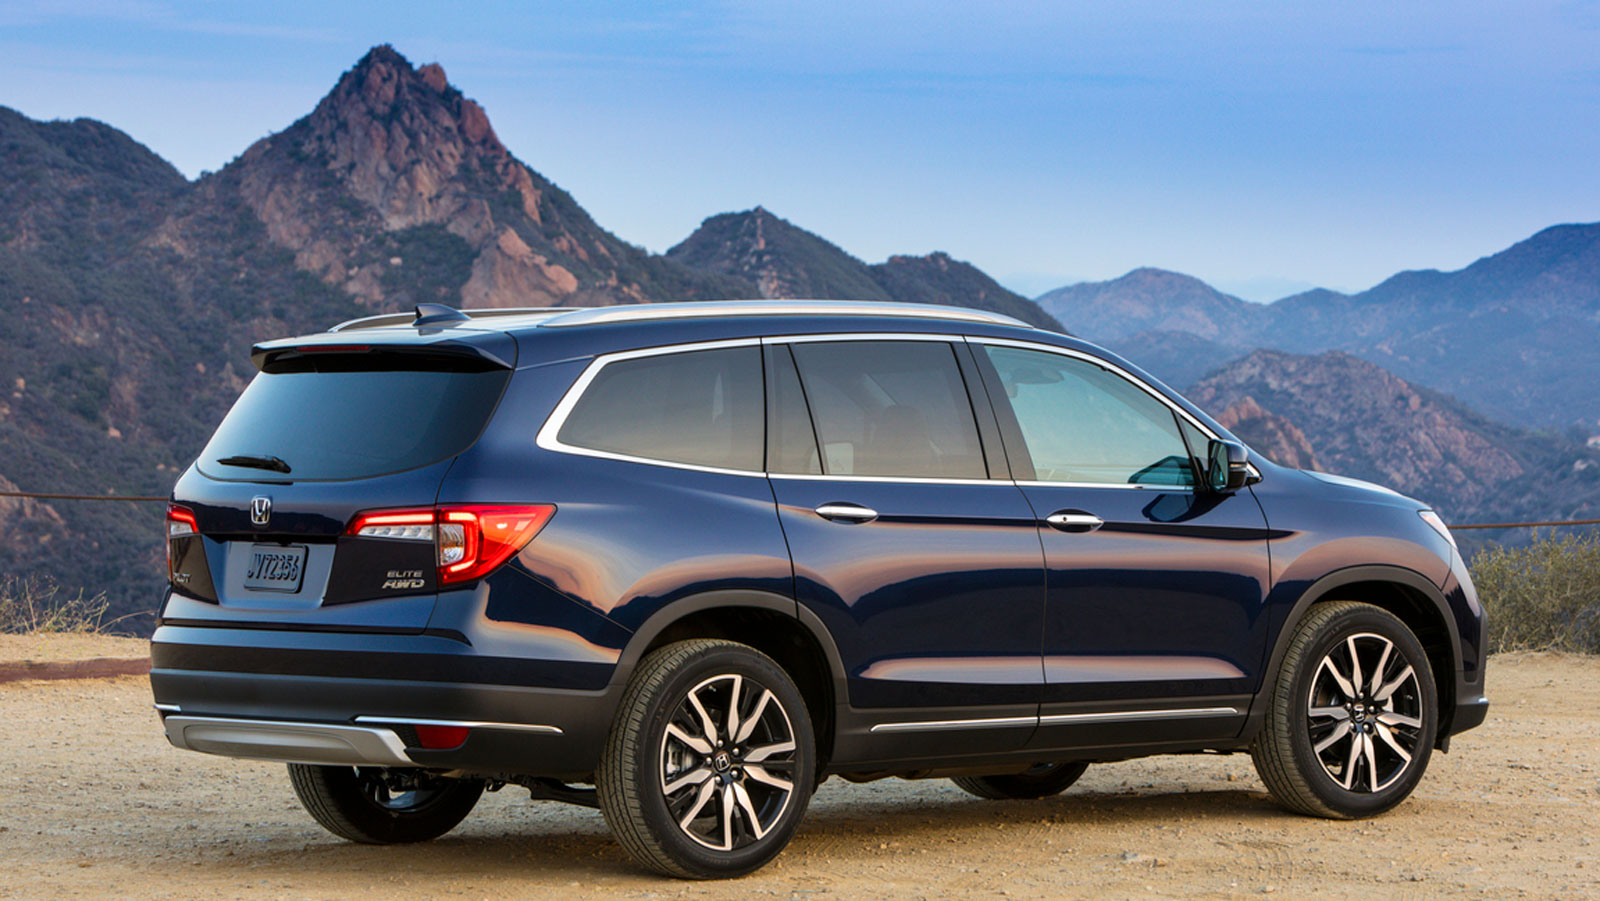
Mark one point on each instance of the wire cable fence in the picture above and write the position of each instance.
(1549, 523)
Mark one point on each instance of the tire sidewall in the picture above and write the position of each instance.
(1329, 635)
(673, 691)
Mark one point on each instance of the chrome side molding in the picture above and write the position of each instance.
(1109, 716)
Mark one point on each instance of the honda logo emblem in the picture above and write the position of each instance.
(260, 509)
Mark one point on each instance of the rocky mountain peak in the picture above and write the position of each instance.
(397, 168)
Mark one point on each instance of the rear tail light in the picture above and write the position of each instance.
(470, 541)
(180, 524)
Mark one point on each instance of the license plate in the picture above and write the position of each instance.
(274, 567)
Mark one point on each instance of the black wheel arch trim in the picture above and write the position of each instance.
(1323, 589)
(731, 599)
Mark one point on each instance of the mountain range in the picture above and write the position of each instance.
(1515, 334)
(130, 297)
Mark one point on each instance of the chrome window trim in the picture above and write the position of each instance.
(547, 436)
(1126, 376)
(468, 724)
(547, 440)
(899, 480)
(835, 337)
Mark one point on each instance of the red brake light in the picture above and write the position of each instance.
(180, 524)
(474, 540)
(470, 540)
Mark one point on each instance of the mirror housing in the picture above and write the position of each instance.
(1227, 466)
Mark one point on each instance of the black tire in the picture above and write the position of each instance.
(1041, 781)
(649, 779)
(1323, 753)
(378, 807)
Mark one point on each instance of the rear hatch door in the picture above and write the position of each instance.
(327, 430)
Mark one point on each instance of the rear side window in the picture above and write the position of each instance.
(702, 408)
(352, 424)
(890, 408)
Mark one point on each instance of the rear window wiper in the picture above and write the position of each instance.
(252, 461)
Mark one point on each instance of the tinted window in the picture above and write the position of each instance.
(791, 443)
(890, 408)
(702, 407)
(1082, 423)
(353, 424)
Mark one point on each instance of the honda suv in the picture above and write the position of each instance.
(683, 562)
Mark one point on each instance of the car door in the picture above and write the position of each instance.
(923, 563)
(1154, 624)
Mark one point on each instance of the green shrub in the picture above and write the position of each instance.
(33, 605)
(1543, 596)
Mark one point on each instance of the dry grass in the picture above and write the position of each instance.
(30, 605)
(1545, 596)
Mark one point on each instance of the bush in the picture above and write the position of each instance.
(1544, 596)
(33, 605)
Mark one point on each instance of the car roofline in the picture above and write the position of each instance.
(567, 317)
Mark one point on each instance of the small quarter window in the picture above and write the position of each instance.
(702, 408)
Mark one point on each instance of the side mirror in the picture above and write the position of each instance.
(1227, 466)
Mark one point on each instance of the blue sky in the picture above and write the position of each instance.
(1262, 146)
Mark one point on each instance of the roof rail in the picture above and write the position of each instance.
(438, 314)
(386, 319)
(713, 308)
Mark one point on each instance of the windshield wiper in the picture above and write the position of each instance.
(252, 461)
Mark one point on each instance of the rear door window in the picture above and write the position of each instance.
(350, 423)
(890, 408)
(701, 408)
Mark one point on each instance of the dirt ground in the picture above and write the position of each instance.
(96, 803)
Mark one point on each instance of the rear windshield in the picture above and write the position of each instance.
(351, 424)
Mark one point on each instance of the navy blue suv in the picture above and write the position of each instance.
(682, 562)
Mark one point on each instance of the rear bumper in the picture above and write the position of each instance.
(353, 699)
(291, 742)
(1470, 712)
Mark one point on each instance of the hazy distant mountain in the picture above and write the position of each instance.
(1356, 419)
(1147, 300)
(1177, 358)
(785, 261)
(1515, 335)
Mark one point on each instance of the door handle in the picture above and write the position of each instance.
(1074, 521)
(854, 513)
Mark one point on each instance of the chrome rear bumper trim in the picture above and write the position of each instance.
(468, 724)
(289, 742)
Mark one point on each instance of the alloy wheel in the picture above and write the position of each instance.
(1364, 713)
(728, 762)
